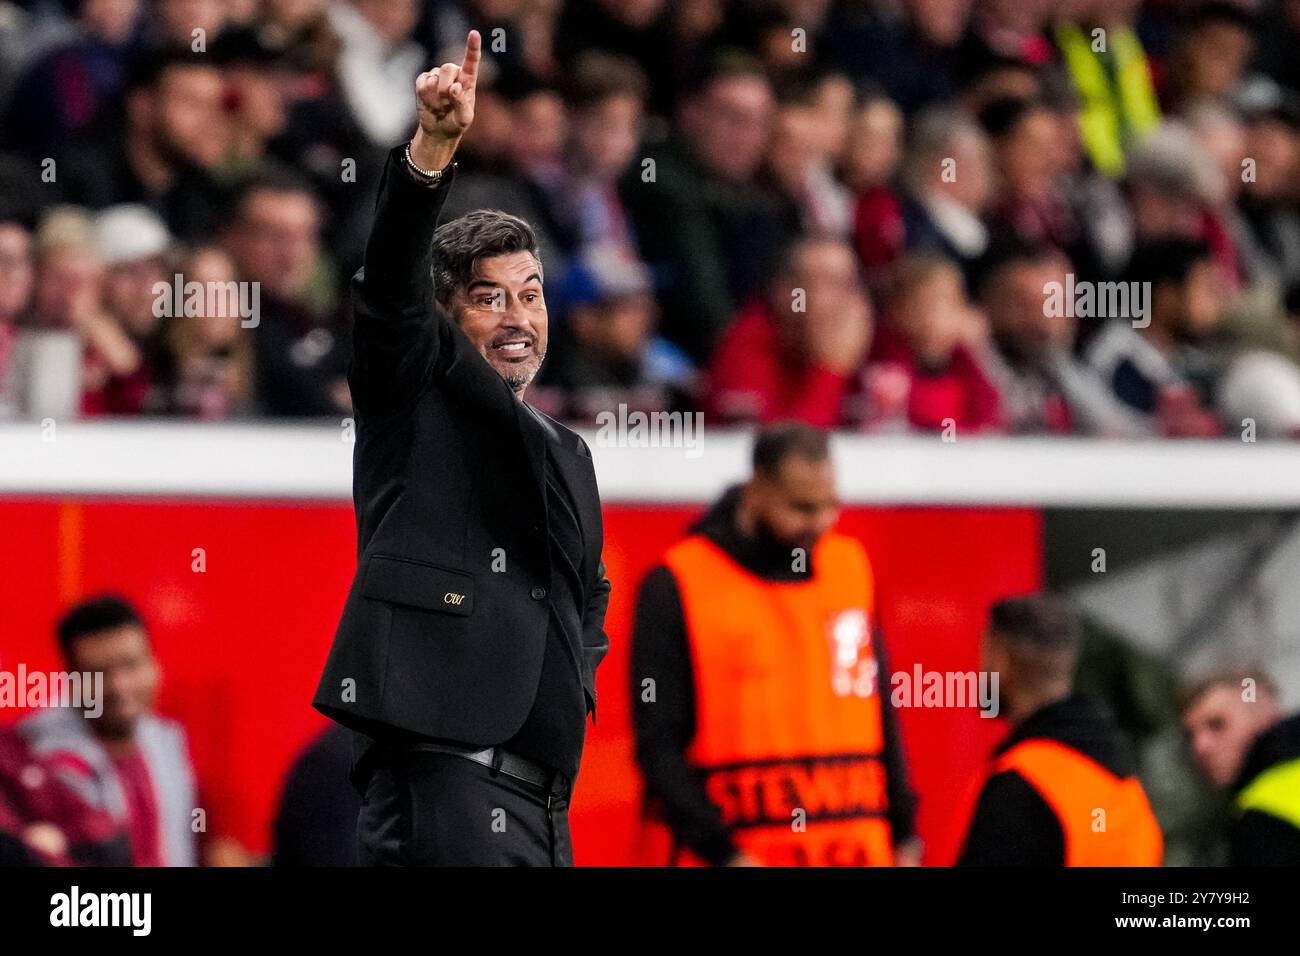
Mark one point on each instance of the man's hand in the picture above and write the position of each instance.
(444, 100)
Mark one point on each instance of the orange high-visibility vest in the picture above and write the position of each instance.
(788, 709)
(1106, 819)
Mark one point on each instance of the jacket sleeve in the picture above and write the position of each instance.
(395, 327)
(902, 799)
(665, 724)
(595, 642)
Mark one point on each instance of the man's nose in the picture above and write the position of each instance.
(515, 316)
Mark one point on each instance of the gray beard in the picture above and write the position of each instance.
(520, 379)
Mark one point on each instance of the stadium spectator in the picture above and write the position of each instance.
(606, 100)
(45, 822)
(128, 761)
(164, 148)
(908, 49)
(274, 240)
(1211, 54)
(1030, 202)
(258, 80)
(872, 157)
(1278, 39)
(785, 698)
(296, 114)
(301, 28)
(932, 338)
(1160, 364)
(1001, 78)
(525, 173)
(122, 375)
(750, 135)
(606, 352)
(16, 280)
(68, 303)
(637, 29)
(1243, 745)
(69, 273)
(211, 367)
(1037, 802)
(703, 220)
(1260, 394)
(949, 170)
(530, 53)
(1008, 32)
(1170, 182)
(378, 64)
(185, 24)
(1268, 198)
(1044, 387)
(62, 91)
(769, 30)
(805, 149)
(794, 353)
(15, 36)
(1221, 135)
(537, 152)
(1112, 76)
(1176, 187)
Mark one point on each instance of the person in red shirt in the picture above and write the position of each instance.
(795, 352)
(45, 822)
(871, 162)
(926, 340)
(126, 760)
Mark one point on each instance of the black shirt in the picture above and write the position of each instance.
(554, 731)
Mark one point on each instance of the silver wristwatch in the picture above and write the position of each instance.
(430, 177)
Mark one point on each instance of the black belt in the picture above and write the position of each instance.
(551, 782)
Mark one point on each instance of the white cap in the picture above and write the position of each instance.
(1265, 387)
(130, 232)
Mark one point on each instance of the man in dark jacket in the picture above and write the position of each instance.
(466, 654)
(316, 821)
(1062, 789)
(1243, 745)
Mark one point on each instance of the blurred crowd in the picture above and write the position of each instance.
(1011, 216)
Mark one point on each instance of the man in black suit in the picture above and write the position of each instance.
(466, 656)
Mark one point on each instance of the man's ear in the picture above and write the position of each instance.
(443, 310)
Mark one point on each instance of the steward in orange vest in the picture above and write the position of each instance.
(761, 731)
(1062, 789)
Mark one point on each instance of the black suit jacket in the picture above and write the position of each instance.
(445, 624)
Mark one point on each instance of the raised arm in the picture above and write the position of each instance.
(395, 341)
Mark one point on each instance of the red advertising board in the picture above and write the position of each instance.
(242, 640)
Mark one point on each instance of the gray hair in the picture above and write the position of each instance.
(933, 136)
(459, 245)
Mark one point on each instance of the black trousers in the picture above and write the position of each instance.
(424, 808)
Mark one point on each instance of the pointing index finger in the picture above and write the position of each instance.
(473, 52)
